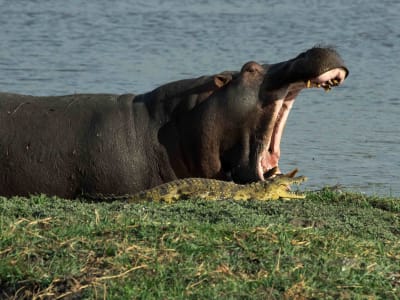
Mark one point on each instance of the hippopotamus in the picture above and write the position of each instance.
(226, 126)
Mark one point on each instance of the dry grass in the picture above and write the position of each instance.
(330, 245)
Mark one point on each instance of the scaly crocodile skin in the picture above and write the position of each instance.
(211, 189)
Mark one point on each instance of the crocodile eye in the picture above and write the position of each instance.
(285, 186)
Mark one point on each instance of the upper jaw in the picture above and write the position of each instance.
(328, 79)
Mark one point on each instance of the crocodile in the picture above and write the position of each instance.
(274, 188)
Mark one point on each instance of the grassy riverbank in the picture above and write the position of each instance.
(329, 245)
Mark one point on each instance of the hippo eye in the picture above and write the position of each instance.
(250, 67)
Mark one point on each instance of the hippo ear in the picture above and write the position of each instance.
(222, 79)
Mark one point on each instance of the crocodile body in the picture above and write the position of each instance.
(211, 189)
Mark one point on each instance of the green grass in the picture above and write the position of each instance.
(330, 245)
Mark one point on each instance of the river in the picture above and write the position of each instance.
(349, 136)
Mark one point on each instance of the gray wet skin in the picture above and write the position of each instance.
(224, 126)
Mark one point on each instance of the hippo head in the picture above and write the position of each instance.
(278, 85)
(232, 127)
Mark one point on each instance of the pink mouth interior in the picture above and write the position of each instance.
(269, 157)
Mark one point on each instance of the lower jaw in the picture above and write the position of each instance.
(263, 166)
(267, 165)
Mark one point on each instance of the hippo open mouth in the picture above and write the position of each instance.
(268, 152)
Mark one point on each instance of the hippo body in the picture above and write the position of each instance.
(225, 126)
(68, 144)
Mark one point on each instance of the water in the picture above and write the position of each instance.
(349, 136)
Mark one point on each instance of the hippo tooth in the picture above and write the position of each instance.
(308, 84)
(327, 88)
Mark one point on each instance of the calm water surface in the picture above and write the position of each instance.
(349, 136)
